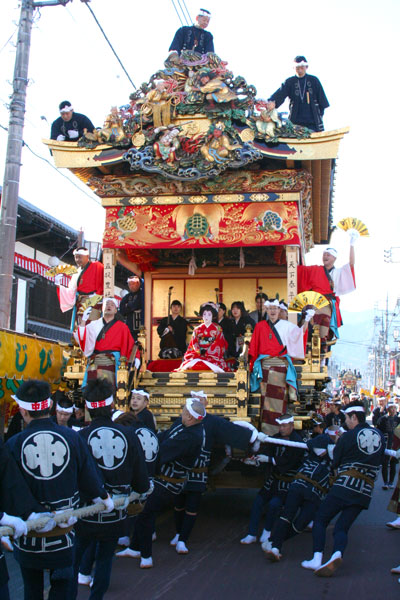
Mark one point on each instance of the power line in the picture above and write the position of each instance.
(176, 10)
(9, 39)
(111, 46)
(60, 173)
(187, 11)
(183, 12)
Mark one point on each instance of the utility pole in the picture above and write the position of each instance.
(9, 200)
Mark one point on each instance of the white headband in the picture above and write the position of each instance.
(392, 404)
(42, 405)
(332, 431)
(141, 393)
(66, 410)
(354, 409)
(81, 252)
(204, 13)
(199, 394)
(283, 306)
(331, 251)
(134, 278)
(66, 109)
(189, 402)
(272, 303)
(303, 63)
(284, 420)
(101, 403)
(105, 300)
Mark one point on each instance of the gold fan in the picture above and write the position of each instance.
(61, 270)
(356, 224)
(90, 301)
(308, 299)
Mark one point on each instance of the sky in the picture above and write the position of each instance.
(351, 45)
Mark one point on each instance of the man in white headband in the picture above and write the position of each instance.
(118, 454)
(273, 345)
(195, 37)
(58, 469)
(104, 341)
(331, 282)
(307, 97)
(218, 431)
(131, 305)
(87, 282)
(70, 125)
(180, 447)
(357, 457)
(285, 462)
(138, 405)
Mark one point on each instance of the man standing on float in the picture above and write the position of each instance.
(195, 37)
(331, 282)
(273, 344)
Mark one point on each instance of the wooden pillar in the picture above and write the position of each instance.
(148, 313)
(292, 259)
(109, 272)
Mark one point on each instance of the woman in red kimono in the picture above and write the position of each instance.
(207, 346)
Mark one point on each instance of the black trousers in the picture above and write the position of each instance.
(288, 523)
(389, 469)
(160, 499)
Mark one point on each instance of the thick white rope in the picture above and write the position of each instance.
(266, 439)
(79, 513)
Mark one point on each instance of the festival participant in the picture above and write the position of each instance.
(207, 347)
(104, 341)
(227, 328)
(131, 306)
(217, 431)
(180, 446)
(57, 467)
(194, 37)
(331, 282)
(284, 462)
(119, 456)
(357, 457)
(240, 320)
(138, 405)
(261, 311)
(305, 493)
(64, 409)
(17, 499)
(307, 97)
(336, 416)
(175, 325)
(273, 344)
(379, 411)
(387, 424)
(70, 125)
(87, 282)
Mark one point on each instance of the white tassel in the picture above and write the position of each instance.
(242, 262)
(192, 265)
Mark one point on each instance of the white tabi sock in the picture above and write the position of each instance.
(249, 539)
(174, 540)
(314, 563)
(128, 552)
(146, 563)
(265, 536)
(181, 548)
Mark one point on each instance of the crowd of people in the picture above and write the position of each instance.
(61, 461)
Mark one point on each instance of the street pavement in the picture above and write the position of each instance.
(218, 566)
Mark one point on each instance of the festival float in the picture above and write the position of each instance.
(215, 197)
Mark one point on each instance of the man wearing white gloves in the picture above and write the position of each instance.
(273, 344)
(70, 125)
(57, 467)
(331, 282)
